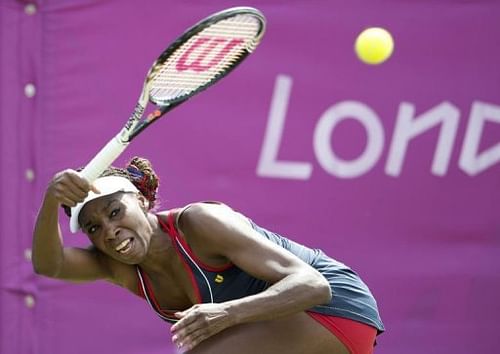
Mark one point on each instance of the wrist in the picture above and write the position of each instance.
(234, 313)
(51, 201)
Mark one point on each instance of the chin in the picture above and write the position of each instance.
(140, 258)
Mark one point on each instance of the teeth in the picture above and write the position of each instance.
(122, 245)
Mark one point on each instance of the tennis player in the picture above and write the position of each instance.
(225, 284)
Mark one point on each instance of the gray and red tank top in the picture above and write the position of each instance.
(351, 297)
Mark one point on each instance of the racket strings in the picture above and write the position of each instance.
(205, 57)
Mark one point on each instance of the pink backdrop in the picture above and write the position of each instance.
(392, 169)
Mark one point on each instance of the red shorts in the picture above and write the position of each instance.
(359, 338)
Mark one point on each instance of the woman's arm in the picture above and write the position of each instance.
(50, 257)
(215, 231)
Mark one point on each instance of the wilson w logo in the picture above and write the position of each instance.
(205, 53)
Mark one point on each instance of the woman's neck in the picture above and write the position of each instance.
(160, 250)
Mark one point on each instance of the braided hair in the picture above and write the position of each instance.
(140, 172)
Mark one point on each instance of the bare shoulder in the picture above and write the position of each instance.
(202, 215)
(211, 229)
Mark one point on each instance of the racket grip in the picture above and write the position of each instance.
(104, 158)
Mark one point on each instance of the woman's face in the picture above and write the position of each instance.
(118, 225)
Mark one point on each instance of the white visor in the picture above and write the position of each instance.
(106, 185)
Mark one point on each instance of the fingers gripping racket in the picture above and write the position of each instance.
(199, 58)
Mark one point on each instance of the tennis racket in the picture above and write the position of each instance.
(199, 58)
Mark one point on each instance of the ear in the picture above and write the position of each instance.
(143, 202)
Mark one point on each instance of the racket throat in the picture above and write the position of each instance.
(125, 134)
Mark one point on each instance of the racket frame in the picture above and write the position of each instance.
(134, 125)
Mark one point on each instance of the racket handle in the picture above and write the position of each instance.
(103, 159)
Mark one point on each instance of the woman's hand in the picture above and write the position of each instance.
(69, 188)
(198, 323)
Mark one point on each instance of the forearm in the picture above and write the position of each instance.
(47, 254)
(294, 293)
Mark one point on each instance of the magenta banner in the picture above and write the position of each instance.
(392, 169)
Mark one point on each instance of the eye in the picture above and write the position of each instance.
(114, 212)
(92, 229)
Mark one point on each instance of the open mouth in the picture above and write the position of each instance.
(125, 246)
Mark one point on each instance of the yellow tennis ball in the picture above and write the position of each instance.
(374, 45)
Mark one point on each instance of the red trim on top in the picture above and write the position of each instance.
(172, 232)
(171, 222)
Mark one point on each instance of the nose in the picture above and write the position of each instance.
(112, 232)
